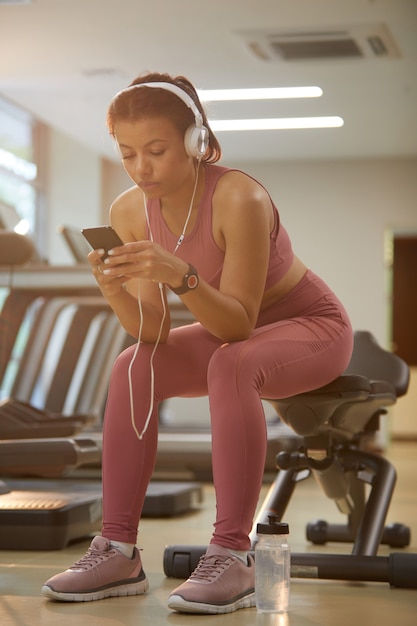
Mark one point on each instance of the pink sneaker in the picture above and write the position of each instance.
(221, 583)
(101, 573)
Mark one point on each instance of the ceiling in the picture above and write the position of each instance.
(63, 60)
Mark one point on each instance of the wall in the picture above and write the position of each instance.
(115, 180)
(73, 194)
(337, 213)
(403, 415)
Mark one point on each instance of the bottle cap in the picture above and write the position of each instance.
(275, 527)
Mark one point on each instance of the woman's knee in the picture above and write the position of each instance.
(131, 356)
(225, 362)
(123, 360)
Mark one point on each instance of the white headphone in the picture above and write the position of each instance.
(196, 136)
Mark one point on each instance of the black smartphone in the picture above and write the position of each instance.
(104, 237)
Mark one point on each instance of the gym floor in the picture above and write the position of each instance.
(312, 602)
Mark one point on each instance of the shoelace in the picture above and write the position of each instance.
(92, 558)
(210, 566)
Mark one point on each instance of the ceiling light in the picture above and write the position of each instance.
(284, 123)
(268, 93)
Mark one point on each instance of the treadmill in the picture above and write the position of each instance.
(57, 347)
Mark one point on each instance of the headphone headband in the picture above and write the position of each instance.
(196, 137)
(181, 94)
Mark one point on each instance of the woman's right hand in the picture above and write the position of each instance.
(109, 285)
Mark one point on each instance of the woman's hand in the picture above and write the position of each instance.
(116, 272)
(143, 260)
(110, 285)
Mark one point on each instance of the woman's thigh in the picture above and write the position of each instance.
(182, 362)
(287, 357)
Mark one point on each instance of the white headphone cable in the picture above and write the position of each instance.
(164, 313)
(181, 237)
(132, 410)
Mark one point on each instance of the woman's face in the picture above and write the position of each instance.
(153, 155)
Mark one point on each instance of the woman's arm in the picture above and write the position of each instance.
(144, 304)
(242, 222)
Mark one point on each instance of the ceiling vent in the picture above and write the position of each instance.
(356, 42)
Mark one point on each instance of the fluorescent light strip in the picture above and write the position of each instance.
(284, 123)
(268, 93)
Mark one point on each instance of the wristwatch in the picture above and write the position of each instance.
(189, 282)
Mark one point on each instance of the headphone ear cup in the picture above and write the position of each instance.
(196, 141)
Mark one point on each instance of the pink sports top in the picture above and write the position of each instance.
(199, 247)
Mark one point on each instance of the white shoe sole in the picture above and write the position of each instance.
(177, 603)
(133, 589)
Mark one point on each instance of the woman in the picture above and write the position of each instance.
(267, 327)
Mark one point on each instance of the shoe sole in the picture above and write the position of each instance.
(134, 589)
(177, 603)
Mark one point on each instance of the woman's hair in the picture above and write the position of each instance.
(134, 104)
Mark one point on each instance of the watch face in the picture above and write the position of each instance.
(192, 281)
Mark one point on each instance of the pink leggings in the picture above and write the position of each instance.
(301, 343)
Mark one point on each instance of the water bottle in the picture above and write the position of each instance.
(272, 567)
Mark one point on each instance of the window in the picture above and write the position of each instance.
(19, 169)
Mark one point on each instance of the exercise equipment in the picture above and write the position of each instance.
(58, 345)
(398, 569)
(336, 423)
(53, 349)
(49, 514)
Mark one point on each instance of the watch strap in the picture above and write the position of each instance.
(189, 282)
